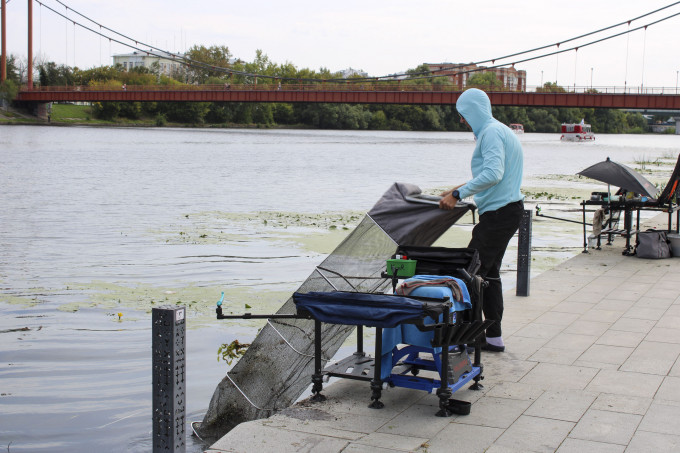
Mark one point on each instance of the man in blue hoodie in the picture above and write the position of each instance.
(497, 167)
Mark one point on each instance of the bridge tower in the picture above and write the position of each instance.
(3, 25)
(3, 39)
(29, 71)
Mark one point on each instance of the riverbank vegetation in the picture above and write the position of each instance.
(300, 115)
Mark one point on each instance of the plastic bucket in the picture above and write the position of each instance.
(404, 268)
(674, 238)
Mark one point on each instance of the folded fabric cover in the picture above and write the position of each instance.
(373, 310)
(434, 285)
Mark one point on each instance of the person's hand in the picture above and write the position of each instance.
(448, 202)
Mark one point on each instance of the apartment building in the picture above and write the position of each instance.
(459, 73)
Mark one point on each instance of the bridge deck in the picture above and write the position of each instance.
(343, 94)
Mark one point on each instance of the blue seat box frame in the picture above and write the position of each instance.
(407, 362)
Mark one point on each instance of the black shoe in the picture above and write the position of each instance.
(492, 348)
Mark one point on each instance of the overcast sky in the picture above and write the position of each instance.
(380, 36)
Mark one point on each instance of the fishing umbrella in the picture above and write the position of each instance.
(620, 175)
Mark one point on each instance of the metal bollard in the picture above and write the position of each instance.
(524, 254)
(168, 348)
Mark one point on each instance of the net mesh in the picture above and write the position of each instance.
(278, 365)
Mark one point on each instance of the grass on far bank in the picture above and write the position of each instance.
(70, 112)
(82, 114)
(67, 114)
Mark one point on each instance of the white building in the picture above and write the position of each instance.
(350, 72)
(167, 63)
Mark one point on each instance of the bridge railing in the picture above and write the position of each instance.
(390, 86)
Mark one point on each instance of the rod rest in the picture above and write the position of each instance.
(305, 315)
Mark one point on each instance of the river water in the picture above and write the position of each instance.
(99, 225)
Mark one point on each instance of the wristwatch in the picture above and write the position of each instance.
(455, 194)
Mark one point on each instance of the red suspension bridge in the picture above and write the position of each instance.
(367, 91)
(352, 93)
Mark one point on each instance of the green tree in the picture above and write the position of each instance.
(12, 68)
(219, 112)
(242, 113)
(8, 91)
(509, 115)
(608, 120)
(545, 119)
(52, 75)
(131, 110)
(283, 113)
(417, 75)
(637, 124)
(106, 110)
(184, 112)
(263, 113)
(484, 81)
(549, 87)
(217, 56)
(378, 120)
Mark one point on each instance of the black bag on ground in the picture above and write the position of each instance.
(652, 244)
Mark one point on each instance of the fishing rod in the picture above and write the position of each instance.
(538, 214)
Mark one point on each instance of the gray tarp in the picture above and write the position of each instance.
(278, 366)
(408, 217)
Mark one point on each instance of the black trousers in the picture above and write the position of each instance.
(491, 237)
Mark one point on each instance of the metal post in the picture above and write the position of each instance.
(360, 339)
(585, 240)
(317, 377)
(524, 254)
(168, 348)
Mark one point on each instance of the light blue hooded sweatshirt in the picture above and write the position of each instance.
(497, 161)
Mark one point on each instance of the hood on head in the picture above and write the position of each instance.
(474, 105)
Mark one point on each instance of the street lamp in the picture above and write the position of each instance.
(591, 79)
(542, 79)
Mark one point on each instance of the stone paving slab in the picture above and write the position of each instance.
(591, 366)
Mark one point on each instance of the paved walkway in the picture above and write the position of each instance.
(591, 366)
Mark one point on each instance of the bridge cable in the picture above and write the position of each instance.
(40, 25)
(644, 51)
(625, 76)
(164, 54)
(547, 46)
(390, 77)
(559, 51)
(187, 61)
(575, 67)
(194, 63)
(557, 44)
(172, 54)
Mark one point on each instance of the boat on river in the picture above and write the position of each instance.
(576, 132)
(517, 128)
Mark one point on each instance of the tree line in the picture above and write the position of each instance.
(311, 115)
